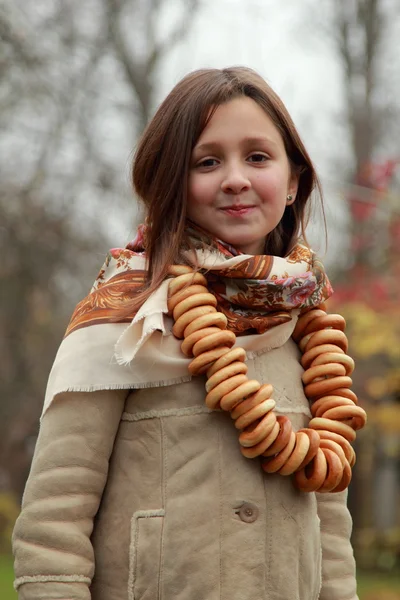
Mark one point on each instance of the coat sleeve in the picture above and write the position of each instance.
(54, 558)
(338, 565)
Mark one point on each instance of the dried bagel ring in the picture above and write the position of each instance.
(298, 455)
(230, 400)
(357, 415)
(190, 340)
(339, 439)
(177, 270)
(335, 426)
(257, 412)
(304, 321)
(254, 434)
(212, 319)
(321, 455)
(313, 449)
(258, 449)
(201, 364)
(183, 321)
(220, 338)
(325, 386)
(304, 341)
(235, 368)
(326, 336)
(311, 477)
(309, 356)
(228, 358)
(185, 293)
(193, 301)
(345, 481)
(274, 463)
(334, 473)
(214, 397)
(264, 393)
(344, 393)
(282, 438)
(327, 370)
(319, 407)
(334, 357)
(335, 447)
(326, 321)
(175, 285)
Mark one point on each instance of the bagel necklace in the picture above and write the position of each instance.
(320, 457)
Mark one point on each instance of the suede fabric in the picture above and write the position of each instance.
(144, 495)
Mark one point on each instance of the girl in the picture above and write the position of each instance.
(142, 486)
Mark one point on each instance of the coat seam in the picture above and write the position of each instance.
(320, 560)
(167, 412)
(268, 533)
(196, 410)
(341, 536)
(264, 487)
(220, 510)
(51, 578)
(132, 559)
(163, 450)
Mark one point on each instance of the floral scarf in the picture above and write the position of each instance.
(260, 295)
(256, 293)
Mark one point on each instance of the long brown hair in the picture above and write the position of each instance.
(162, 161)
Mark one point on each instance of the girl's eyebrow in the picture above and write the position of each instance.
(247, 141)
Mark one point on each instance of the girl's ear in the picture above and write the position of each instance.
(293, 185)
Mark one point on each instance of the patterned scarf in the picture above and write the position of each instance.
(256, 293)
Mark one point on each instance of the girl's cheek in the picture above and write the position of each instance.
(198, 190)
(271, 185)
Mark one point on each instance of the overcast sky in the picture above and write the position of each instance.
(278, 40)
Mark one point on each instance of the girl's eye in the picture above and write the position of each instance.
(257, 157)
(207, 162)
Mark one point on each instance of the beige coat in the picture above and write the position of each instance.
(145, 495)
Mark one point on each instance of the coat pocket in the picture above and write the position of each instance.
(145, 554)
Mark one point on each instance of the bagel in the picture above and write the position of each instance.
(320, 456)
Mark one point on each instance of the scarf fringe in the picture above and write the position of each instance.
(117, 386)
(126, 386)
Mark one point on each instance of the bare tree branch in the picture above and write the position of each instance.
(139, 73)
(14, 39)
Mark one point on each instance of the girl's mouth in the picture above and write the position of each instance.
(238, 211)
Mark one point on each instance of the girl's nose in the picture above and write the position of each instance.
(235, 181)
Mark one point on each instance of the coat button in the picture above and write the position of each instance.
(248, 512)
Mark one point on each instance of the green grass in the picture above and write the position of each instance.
(371, 586)
(7, 591)
(378, 586)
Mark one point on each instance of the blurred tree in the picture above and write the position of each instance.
(364, 35)
(78, 83)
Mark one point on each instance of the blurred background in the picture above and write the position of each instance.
(79, 80)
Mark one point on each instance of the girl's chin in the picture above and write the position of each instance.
(245, 241)
(246, 246)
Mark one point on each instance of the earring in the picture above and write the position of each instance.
(289, 198)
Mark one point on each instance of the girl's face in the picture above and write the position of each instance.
(240, 176)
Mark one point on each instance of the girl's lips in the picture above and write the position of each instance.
(238, 211)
